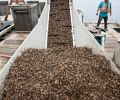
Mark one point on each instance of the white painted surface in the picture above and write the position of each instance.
(38, 36)
(73, 35)
(36, 39)
(6, 30)
(82, 36)
(116, 57)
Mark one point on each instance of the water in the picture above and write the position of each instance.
(89, 8)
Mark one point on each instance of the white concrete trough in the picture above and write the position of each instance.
(36, 39)
(116, 56)
(83, 38)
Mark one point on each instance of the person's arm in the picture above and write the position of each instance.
(20, 1)
(110, 12)
(11, 1)
(99, 6)
(110, 9)
(1, 21)
(97, 11)
(23, 1)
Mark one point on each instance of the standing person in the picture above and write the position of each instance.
(11, 2)
(104, 8)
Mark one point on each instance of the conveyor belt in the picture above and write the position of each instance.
(59, 25)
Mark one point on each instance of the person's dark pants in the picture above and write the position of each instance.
(105, 21)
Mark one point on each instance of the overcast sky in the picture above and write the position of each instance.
(89, 8)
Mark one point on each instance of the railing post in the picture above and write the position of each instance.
(48, 1)
(71, 2)
(82, 15)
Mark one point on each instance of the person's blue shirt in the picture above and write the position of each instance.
(105, 13)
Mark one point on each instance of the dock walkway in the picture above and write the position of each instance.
(9, 46)
(111, 41)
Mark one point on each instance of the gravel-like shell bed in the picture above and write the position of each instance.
(60, 34)
(61, 74)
